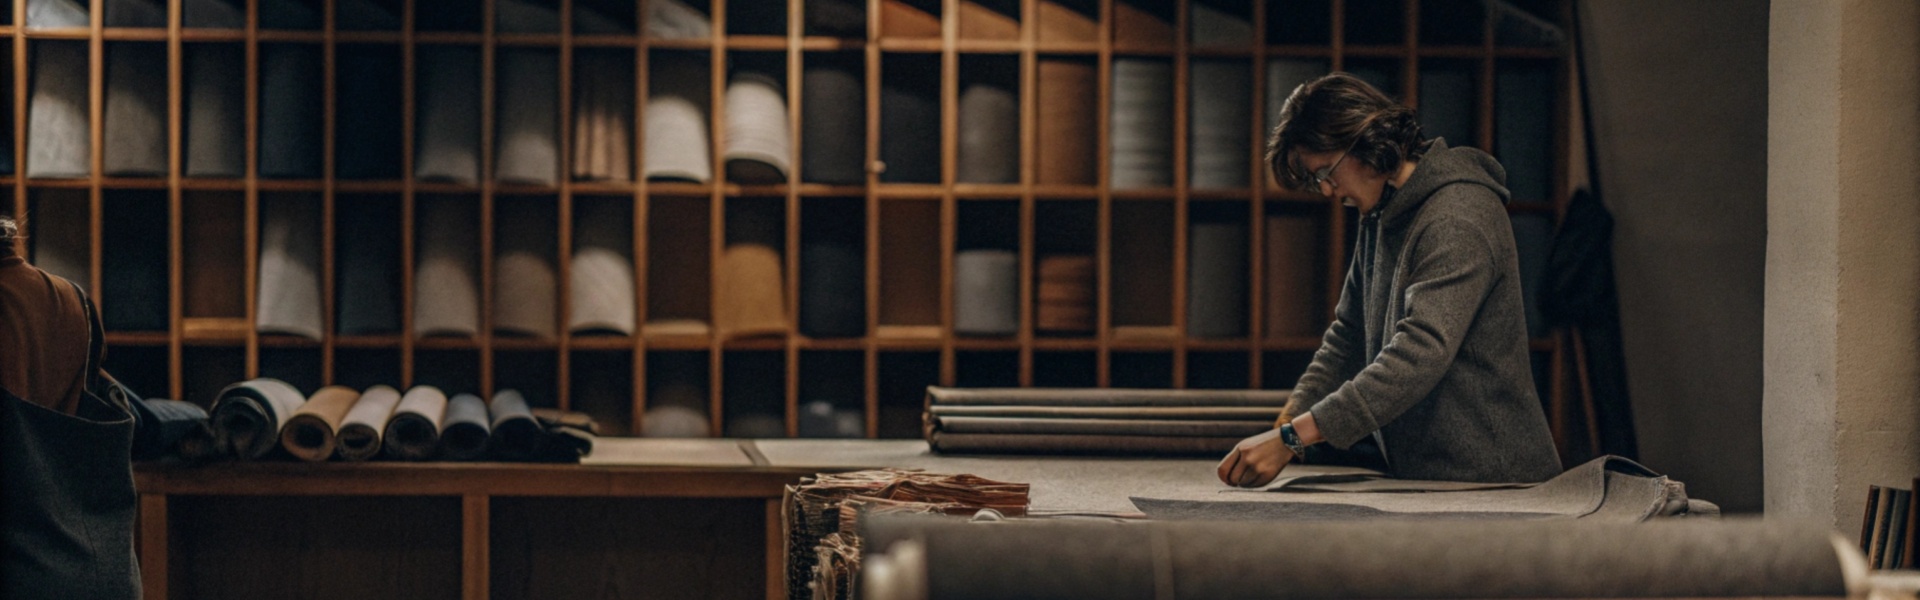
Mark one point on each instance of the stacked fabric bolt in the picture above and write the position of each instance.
(1066, 294)
(251, 417)
(603, 117)
(1096, 421)
(822, 515)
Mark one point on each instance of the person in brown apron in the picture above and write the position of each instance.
(66, 476)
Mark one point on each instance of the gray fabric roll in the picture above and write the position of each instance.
(527, 144)
(837, 17)
(367, 268)
(61, 234)
(1283, 75)
(289, 293)
(515, 433)
(214, 14)
(414, 431)
(600, 280)
(526, 282)
(759, 143)
(676, 422)
(676, 128)
(986, 292)
(1099, 444)
(1533, 239)
(1215, 27)
(463, 433)
(937, 396)
(216, 108)
(447, 135)
(1150, 413)
(1447, 107)
(1067, 558)
(360, 431)
(833, 121)
(446, 279)
(59, 142)
(290, 101)
(56, 13)
(673, 19)
(910, 126)
(1093, 426)
(1142, 135)
(134, 13)
(526, 16)
(989, 133)
(1523, 130)
(1217, 280)
(136, 109)
(367, 105)
(247, 416)
(1220, 108)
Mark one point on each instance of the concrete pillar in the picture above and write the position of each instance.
(1842, 358)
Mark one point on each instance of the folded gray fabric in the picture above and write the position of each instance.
(527, 146)
(136, 109)
(247, 416)
(1447, 107)
(989, 149)
(214, 14)
(361, 429)
(57, 13)
(463, 433)
(414, 431)
(1220, 107)
(290, 101)
(289, 295)
(759, 146)
(447, 118)
(515, 433)
(1523, 129)
(446, 281)
(59, 142)
(833, 120)
(216, 110)
(1217, 280)
(676, 114)
(935, 558)
(1098, 426)
(1142, 137)
(938, 396)
(986, 292)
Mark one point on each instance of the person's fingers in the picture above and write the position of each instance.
(1227, 464)
(1240, 471)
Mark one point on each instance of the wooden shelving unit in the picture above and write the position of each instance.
(205, 232)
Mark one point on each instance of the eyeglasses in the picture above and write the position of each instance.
(1325, 174)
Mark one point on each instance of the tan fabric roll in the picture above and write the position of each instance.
(358, 436)
(309, 434)
(1058, 23)
(446, 279)
(899, 19)
(525, 280)
(1293, 262)
(1065, 294)
(752, 301)
(414, 431)
(1067, 119)
(977, 22)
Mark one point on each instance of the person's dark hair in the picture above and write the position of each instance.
(9, 230)
(1336, 111)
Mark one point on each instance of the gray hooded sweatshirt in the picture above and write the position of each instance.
(1428, 347)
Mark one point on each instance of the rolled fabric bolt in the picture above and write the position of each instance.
(752, 302)
(56, 13)
(1141, 152)
(529, 129)
(446, 281)
(58, 143)
(516, 435)
(165, 425)
(289, 292)
(759, 146)
(359, 435)
(833, 117)
(290, 126)
(447, 138)
(525, 281)
(986, 292)
(310, 433)
(989, 134)
(676, 422)
(601, 278)
(673, 19)
(136, 110)
(1066, 128)
(463, 434)
(676, 126)
(1217, 280)
(414, 431)
(1221, 108)
(247, 416)
(1065, 294)
(216, 109)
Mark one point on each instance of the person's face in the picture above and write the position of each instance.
(1339, 176)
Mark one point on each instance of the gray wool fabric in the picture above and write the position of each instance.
(1429, 343)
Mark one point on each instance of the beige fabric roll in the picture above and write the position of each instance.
(600, 282)
(446, 278)
(1067, 118)
(414, 431)
(1293, 265)
(360, 430)
(603, 116)
(525, 282)
(309, 434)
(1065, 294)
(752, 297)
(290, 299)
(676, 119)
(899, 19)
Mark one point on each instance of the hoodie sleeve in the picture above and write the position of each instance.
(1340, 348)
(1451, 271)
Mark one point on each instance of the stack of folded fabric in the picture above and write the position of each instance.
(822, 515)
(1096, 421)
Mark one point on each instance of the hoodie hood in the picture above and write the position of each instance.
(1442, 166)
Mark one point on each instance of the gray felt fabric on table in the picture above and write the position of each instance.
(1087, 426)
(1104, 397)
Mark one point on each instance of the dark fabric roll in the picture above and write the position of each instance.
(1068, 90)
(290, 97)
(1103, 427)
(986, 292)
(676, 114)
(1052, 443)
(1156, 413)
(136, 111)
(214, 14)
(133, 262)
(368, 269)
(164, 424)
(135, 13)
(59, 143)
(846, 18)
(366, 142)
(359, 434)
(910, 126)
(527, 140)
(309, 434)
(526, 16)
(1447, 105)
(463, 434)
(247, 416)
(989, 133)
(216, 110)
(1217, 280)
(1105, 397)
(1065, 558)
(414, 431)
(1523, 130)
(447, 131)
(833, 295)
(516, 435)
(833, 120)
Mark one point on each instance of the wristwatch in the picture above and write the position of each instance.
(1292, 439)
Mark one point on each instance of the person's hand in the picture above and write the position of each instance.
(1255, 461)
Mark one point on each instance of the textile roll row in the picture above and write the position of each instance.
(252, 418)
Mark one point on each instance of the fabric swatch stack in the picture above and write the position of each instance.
(1096, 421)
(823, 512)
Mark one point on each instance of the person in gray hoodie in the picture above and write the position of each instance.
(1426, 359)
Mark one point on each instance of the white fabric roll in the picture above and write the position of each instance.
(1222, 104)
(759, 140)
(1142, 136)
(986, 287)
(136, 109)
(673, 19)
(56, 13)
(676, 128)
(447, 141)
(446, 281)
(601, 280)
(290, 301)
(528, 148)
(59, 141)
(525, 278)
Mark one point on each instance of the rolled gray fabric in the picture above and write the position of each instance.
(1153, 413)
(525, 278)
(600, 282)
(526, 16)
(990, 131)
(446, 280)
(367, 267)
(165, 425)
(290, 101)
(986, 292)
(1220, 108)
(136, 109)
(1067, 558)
(1065, 141)
(311, 433)
(216, 110)
(289, 294)
(833, 298)
(1447, 107)
(247, 416)
(57, 13)
(837, 17)
(1142, 130)
(1217, 280)
(61, 234)
(447, 117)
(59, 142)
(1086, 426)
(414, 431)
(214, 14)
(515, 433)
(833, 120)
(1533, 239)
(1215, 27)
(937, 396)
(909, 123)
(676, 127)
(673, 19)
(1283, 75)
(1054, 443)
(463, 434)
(367, 105)
(1523, 129)
(527, 144)
(360, 430)
(759, 146)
